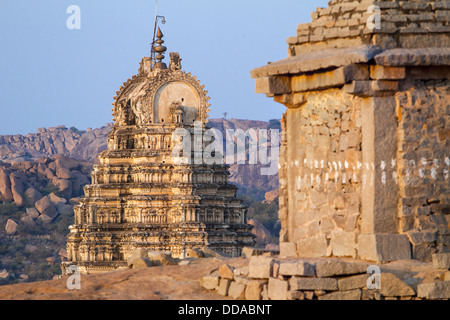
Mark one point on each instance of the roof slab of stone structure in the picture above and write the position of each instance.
(364, 163)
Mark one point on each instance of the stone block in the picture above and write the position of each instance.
(441, 260)
(248, 252)
(387, 73)
(330, 79)
(162, 259)
(44, 206)
(295, 295)
(334, 267)
(11, 227)
(342, 295)
(391, 286)
(327, 284)
(210, 282)
(260, 267)
(237, 291)
(254, 289)
(139, 263)
(312, 247)
(32, 212)
(297, 268)
(343, 244)
(226, 271)
(194, 253)
(367, 88)
(224, 286)
(447, 276)
(277, 289)
(354, 282)
(431, 56)
(273, 85)
(434, 290)
(383, 247)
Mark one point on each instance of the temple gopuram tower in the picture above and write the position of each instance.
(141, 197)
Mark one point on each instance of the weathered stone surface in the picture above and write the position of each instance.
(17, 190)
(297, 268)
(32, 195)
(383, 247)
(260, 267)
(55, 199)
(343, 243)
(441, 260)
(5, 186)
(162, 259)
(224, 286)
(273, 85)
(32, 212)
(193, 253)
(237, 291)
(328, 284)
(435, 290)
(11, 227)
(447, 276)
(330, 79)
(45, 218)
(295, 295)
(277, 289)
(387, 73)
(313, 247)
(254, 289)
(318, 60)
(391, 286)
(249, 252)
(210, 282)
(226, 271)
(45, 207)
(354, 282)
(138, 263)
(414, 57)
(342, 295)
(288, 249)
(333, 267)
(26, 219)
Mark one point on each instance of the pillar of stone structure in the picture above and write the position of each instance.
(364, 166)
(147, 191)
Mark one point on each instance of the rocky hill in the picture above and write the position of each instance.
(42, 176)
(86, 145)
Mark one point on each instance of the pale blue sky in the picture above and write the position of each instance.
(50, 75)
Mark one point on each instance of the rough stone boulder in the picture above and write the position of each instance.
(17, 190)
(5, 186)
(56, 200)
(162, 259)
(45, 207)
(32, 195)
(11, 227)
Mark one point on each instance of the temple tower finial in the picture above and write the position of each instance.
(160, 50)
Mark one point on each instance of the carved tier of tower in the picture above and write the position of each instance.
(140, 196)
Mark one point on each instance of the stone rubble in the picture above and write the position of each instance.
(275, 278)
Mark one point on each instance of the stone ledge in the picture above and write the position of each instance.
(324, 59)
(414, 57)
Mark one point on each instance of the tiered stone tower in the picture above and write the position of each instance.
(140, 196)
(364, 164)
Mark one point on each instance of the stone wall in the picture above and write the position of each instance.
(268, 277)
(423, 157)
(404, 24)
(325, 172)
(364, 160)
